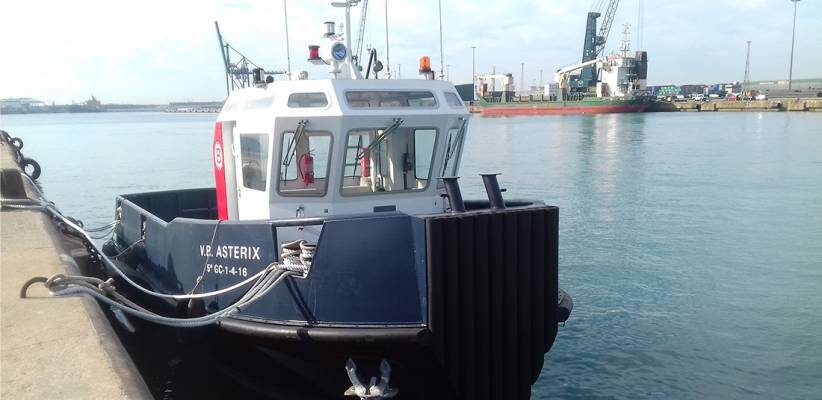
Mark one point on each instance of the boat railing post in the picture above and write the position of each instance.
(452, 188)
(494, 192)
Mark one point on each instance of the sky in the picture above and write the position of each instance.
(153, 51)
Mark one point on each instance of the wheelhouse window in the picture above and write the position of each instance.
(304, 163)
(390, 99)
(453, 100)
(424, 140)
(389, 159)
(453, 150)
(307, 100)
(254, 159)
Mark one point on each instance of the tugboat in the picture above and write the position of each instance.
(346, 189)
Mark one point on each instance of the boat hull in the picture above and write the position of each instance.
(461, 305)
(563, 108)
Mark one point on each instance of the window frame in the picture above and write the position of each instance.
(460, 103)
(459, 150)
(405, 191)
(328, 170)
(433, 153)
(327, 101)
(433, 96)
(264, 168)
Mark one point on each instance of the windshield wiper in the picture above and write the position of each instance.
(387, 131)
(291, 150)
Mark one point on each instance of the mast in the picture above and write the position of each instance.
(387, 55)
(287, 48)
(442, 61)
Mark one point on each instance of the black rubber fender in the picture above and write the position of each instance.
(17, 143)
(110, 248)
(35, 173)
(564, 306)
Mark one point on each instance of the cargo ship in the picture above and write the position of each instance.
(541, 106)
(619, 87)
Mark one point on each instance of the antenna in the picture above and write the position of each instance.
(746, 82)
(387, 55)
(287, 48)
(442, 61)
(625, 45)
(793, 35)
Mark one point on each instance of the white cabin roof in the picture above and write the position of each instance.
(271, 101)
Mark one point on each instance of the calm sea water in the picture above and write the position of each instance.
(690, 242)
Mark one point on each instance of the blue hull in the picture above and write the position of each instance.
(468, 300)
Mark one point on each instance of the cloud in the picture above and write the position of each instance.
(158, 51)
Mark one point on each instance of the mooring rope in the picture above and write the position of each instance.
(296, 257)
(61, 285)
(50, 209)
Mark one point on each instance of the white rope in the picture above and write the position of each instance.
(52, 210)
(259, 290)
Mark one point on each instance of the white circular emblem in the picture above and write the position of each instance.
(218, 156)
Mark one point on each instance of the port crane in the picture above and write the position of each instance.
(239, 74)
(563, 75)
(594, 45)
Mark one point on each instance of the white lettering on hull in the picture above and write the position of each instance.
(231, 251)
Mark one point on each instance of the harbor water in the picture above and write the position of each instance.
(690, 242)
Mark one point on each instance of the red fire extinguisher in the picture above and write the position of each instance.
(307, 169)
(365, 162)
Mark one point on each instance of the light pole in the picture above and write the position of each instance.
(473, 72)
(522, 77)
(793, 36)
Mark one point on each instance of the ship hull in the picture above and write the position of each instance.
(562, 108)
(458, 304)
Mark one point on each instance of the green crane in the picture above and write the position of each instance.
(594, 44)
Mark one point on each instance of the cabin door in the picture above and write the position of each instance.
(253, 156)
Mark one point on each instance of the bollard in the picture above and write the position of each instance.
(452, 187)
(493, 191)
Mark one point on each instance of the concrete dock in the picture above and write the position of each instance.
(51, 348)
(741, 105)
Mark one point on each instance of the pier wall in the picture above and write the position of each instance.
(743, 105)
(724, 105)
(51, 348)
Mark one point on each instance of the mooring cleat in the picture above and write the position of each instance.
(375, 390)
(357, 388)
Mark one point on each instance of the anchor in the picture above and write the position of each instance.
(374, 390)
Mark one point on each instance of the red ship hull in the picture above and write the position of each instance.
(561, 109)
